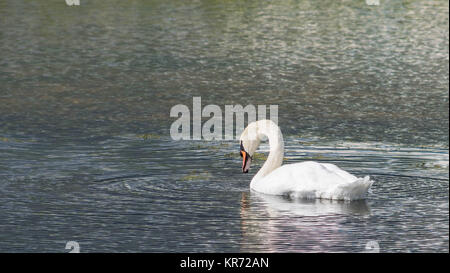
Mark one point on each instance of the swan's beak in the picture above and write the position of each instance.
(246, 161)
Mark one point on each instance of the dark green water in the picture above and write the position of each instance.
(85, 149)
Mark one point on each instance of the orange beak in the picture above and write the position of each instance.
(246, 161)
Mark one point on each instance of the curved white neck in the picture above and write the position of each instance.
(276, 143)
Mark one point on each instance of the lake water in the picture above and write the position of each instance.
(85, 149)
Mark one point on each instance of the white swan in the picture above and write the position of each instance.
(300, 180)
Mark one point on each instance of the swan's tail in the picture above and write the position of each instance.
(352, 191)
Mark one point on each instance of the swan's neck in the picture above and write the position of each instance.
(276, 154)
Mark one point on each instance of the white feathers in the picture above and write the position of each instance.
(303, 180)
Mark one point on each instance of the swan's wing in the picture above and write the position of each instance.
(312, 180)
(307, 177)
(351, 191)
(335, 169)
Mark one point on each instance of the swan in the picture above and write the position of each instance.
(308, 179)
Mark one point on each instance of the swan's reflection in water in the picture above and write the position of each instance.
(279, 224)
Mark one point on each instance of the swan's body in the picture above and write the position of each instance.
(303, 180)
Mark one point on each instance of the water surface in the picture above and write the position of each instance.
(85, 150)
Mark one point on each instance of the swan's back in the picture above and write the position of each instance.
(313, 180)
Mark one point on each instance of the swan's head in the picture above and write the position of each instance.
(249, 143)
